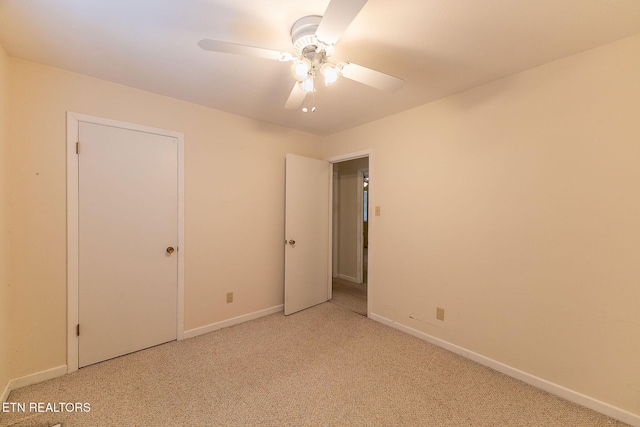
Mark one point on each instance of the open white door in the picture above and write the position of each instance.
(306, 278)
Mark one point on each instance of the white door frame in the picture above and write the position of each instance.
(334, 225)
(343, 158)
(73, 123)
(360, 224)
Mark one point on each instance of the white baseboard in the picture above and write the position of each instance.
(556, 389)
(233, 321)
(349, 278)
(31, 379)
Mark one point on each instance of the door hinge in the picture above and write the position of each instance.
(78, 330)
(77, 148)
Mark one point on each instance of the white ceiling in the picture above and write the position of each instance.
(439, 47)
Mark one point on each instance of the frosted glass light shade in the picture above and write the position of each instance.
(330, 74)
(300, 69)
(307, 85)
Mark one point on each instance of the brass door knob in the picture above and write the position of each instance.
(292, 242)
(170, 250)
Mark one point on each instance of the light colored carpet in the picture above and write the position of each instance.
(350, 295)
(325, 366)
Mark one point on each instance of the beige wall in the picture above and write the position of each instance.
(234, 204)
(348, 216)
(515, 206)
(4, 283)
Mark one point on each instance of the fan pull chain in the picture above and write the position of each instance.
(313, 94)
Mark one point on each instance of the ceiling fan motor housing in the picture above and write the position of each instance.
(303, 37)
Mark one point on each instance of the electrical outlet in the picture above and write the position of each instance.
(229, 297)
(440, 313)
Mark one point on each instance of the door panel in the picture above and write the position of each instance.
(128, 216)
(307, 223)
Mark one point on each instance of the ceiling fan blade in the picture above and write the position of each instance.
(337, 18)
(371, 77)
(239, 49)
(295, 98)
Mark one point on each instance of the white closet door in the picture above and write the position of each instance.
(128, 234)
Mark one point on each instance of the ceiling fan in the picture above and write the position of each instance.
(314, 38)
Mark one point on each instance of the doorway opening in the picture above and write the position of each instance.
(350, 211)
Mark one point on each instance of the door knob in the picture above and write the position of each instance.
(292, 242)
(170, 250)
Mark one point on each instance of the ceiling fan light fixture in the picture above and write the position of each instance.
(330, 74)
(300, 69)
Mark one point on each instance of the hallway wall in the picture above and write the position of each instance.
(348, 215)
